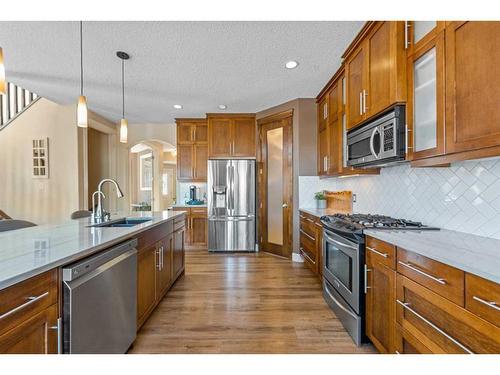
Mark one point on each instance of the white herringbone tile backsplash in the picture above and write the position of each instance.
(464, 197)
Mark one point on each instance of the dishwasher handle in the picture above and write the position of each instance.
(83, 267)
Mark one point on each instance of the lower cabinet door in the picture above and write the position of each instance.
(36, 335)
(147, 262)
(441, 325)
(178, 252)
(406, 343)
(199, 230)
(164, 270)
(380, 304)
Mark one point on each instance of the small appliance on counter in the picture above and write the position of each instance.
(343, 264)
(193, 196)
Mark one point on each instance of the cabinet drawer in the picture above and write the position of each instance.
(438, 277)
(482, 297)
(382, 252)
(26, 299)
(199, 211)
(406, 343)
(309, 247)
(441, 325)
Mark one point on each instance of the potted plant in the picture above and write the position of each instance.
(320, 198)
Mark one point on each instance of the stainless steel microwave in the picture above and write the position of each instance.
(378, 142)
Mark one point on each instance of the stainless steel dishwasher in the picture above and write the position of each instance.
(100, 301)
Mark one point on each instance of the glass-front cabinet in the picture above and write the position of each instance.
(425, 107)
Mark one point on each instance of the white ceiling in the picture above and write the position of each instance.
(197, 64)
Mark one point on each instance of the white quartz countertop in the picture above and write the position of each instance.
(474, 254)
(31, 251)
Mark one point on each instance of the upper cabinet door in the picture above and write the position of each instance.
(472, 82)
(200, 162)
(425, 107)
(185, 163)
(243, 134)
(185, 133)
(201, 133)
(322, 144)
(219, 137)
(335, 141)
(355, 68)
(377, 94)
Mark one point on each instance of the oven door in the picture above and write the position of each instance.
(341, 259)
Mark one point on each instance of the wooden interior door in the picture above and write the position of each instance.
(355, 70)
(243, 134)
(472, 81)
(380, 304)
(275, 184)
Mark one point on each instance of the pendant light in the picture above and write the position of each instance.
(81, 109)
(3, 84)
(123, 123)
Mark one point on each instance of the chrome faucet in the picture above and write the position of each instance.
(98, 212)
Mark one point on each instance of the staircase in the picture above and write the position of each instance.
(15, 101)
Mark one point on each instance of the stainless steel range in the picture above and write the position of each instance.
(343, 264)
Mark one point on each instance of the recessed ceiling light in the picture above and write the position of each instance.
(222, 106)
(291, 64)
(177, 106)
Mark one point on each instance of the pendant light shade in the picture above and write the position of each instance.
(123, 130)
(3, 84)
(123, 123)
(81, 109)
(81, 112)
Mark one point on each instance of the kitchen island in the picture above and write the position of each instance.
(31, 262)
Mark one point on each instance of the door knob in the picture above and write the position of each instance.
(284, 205)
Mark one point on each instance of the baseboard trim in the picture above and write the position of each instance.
(296, 257)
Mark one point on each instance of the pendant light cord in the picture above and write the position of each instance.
(81, 58)
(123, 89)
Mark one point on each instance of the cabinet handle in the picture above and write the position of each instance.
(361, 103)
(407, 36)
(158, 265)
(366, 279)
(406, 305)
(491, 304)
(162, 256)
(436, 279)
(58, 328)
(377, 252)
(307, 235)
(408, 130)
(365, 94)
(31, 300)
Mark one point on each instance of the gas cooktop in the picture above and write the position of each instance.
(354, 224)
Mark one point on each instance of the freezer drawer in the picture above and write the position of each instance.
(231, 234)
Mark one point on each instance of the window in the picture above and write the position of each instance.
(40, 158)
(165, 183)
(146, 172)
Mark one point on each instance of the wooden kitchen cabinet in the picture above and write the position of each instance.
(375, 70)
(406, 343)
(35, 335)
(380, 296)
(231, 135)
(146, 282)
(178, 252)
(311, 234)
(192, 149)
(472, 81)
(331, 108)
(164, 265)
(196, 235)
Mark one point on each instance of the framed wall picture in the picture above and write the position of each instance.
(40, 153)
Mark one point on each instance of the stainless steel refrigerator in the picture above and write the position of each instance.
(231, 205)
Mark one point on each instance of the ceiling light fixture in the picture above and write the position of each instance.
(291, 64)
(222, 106)
(177, 106)
(81, 109)
(3, 85)
(123, 123)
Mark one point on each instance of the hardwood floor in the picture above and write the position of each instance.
(244, 303)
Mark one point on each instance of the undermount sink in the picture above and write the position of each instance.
(125, 222)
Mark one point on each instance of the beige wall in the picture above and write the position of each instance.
(98, 161)
(304, 148)
(40, 200)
